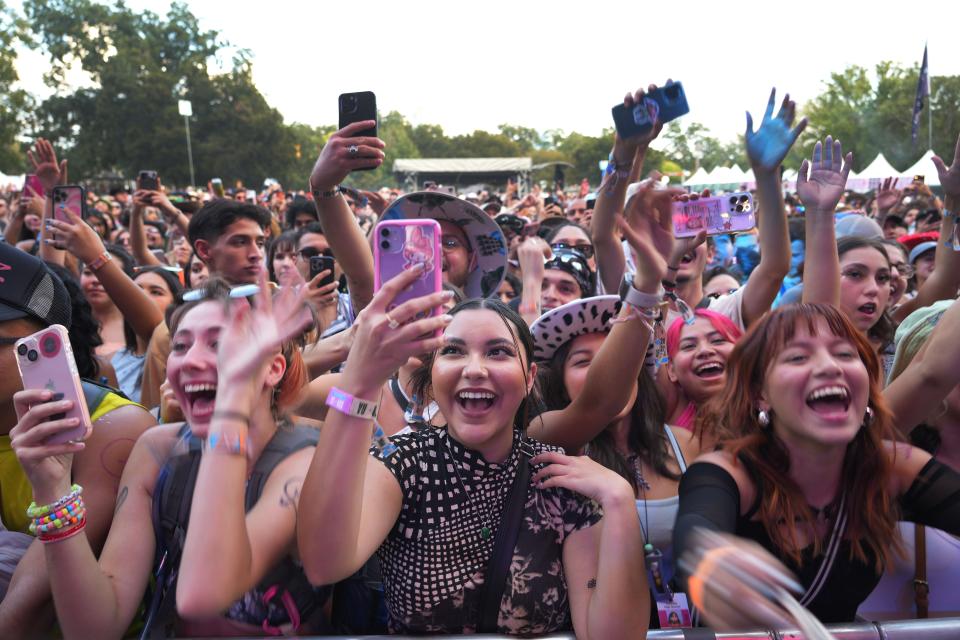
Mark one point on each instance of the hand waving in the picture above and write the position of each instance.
(888, 195)
(647, 226)
(950, 176)
(768, 145)
(44, 160)
(821, 191)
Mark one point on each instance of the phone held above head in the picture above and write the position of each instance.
(358, 107)
(729, 213)
(664, 104)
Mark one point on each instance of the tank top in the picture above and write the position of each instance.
(658, 516)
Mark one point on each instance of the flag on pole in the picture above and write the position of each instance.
(923, 91)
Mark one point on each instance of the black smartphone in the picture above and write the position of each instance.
(148, 180)
(321, 263)
(357, 107)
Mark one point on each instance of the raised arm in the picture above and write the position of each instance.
(93, 600)
(222, 563)
(614, 371)
(820, 192)
(627, 163)
(340, 226)
(81, 240)
(350, 500)
(50, 173)
(945, 279)
(138, 235)
(931, 376)
(766, 149)
(532, 254)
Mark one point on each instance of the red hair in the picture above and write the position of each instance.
(720, 322)
(732, 416)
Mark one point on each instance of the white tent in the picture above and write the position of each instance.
(924, 167)
(11, 181)
(728, 175)
(698, 177)
(880, 168)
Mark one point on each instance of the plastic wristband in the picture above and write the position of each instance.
(638, 299)
(345, 403)
(63, 535)
(101, 260)
(325, 195)
(233, 444)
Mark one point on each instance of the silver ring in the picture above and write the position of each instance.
(393, 324)
(353, 150)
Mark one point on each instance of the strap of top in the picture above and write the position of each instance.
(397, 390)
(676, 448)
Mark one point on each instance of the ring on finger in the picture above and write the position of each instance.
(353, 150)
(391, 322)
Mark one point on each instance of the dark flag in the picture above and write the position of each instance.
(923, 91)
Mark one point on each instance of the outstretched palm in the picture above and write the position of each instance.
(821, 191)
(648, 228)
(45, 166)
(950, 176)
(768, 145)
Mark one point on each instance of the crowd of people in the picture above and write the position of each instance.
(605, 429)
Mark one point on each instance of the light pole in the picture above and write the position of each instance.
(186, 110)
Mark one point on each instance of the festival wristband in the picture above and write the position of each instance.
(637, 299)
(101, 260)
(233, 444)
(325, 195)
(345, 403)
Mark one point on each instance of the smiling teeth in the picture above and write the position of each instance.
(476, 395)
(708, 366)
(827, 392)
(193, 388)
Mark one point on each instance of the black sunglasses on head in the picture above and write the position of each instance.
(585, 249)
(309, 252)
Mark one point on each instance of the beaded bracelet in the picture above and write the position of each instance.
(63, 535)
(37, 511)
(61, 519)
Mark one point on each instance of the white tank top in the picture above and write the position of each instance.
(659, 516)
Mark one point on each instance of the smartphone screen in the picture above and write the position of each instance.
(68, 198)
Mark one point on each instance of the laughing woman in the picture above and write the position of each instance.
(808, 471)
(461, 550)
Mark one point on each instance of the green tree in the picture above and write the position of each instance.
(14, 103)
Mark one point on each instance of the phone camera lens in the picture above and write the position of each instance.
(385, 244)
(350, 104)
(385, 232)
(733, 200)
(32, 355)
(739, 208)
(22, 349)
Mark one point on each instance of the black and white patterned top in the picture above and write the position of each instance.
(434, 559)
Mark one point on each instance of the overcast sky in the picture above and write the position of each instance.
(559, 65)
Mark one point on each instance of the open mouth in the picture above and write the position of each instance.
(829, 401)
(201, 397)
(868, 309)
(476, 401)
(687, 258)
(708, 370)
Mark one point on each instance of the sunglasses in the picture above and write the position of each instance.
(309, 252)
(585, 249)
(243, 291)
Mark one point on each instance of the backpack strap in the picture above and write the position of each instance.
(93, 393)
(285, 442)
(921, 588)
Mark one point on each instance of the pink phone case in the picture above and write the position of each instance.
(45, 360)
(730, 213)
(33, 188)
(68, 197)
(401, 244)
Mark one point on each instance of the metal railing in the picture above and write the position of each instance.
(930, 629)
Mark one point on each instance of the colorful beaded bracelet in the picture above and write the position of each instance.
(62, 517)
(37, 511)
(63, 535)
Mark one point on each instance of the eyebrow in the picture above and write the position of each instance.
(490, 343)
(863, 266)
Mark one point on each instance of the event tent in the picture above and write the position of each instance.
(924, 167)
(699, 177)
(461, 171)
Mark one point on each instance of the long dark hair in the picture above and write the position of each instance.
(173, 284)
(884, 328)
(84, 328)
(645, 438)
(286, 240)
(422, 384)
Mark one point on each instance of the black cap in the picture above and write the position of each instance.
(29, 289)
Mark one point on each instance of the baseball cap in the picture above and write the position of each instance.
(858, 225)
(921, 249)
(29, 289)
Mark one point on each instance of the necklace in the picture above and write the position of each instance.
(638, 472)
(485, 529)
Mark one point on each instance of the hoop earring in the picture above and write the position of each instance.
(868, 417)
(763, 417)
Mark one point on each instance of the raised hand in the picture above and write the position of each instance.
(75, 236)
(769, 145)
(647, 226)
(624, 150)
(47, 466)
(888, 196)
(44, 160)
(531, 254)
(346, 152)
(821, 191)
(950, 176)
(385, 340)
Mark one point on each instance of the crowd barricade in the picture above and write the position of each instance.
(930, 629)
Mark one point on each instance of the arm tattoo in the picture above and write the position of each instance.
(121, 498)
(592, 583)
(291, 492)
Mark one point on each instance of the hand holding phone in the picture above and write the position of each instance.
(148, 180)
(662, 105)
(354, 147)
(400, 246)
(730, 213)
(32, 188)
(319, 264)
(46, 363)
(69, 197)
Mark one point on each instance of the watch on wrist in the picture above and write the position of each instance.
(638, 299)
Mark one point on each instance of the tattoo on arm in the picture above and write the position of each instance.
(291, 492)
(592, 583)
(121, 498)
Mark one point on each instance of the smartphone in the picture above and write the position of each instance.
(217, 185)
(148, 180)
(919, 179)
(45, 360)
(69, 198)
(321, 263)
(667, 103)
(32, 187)
(402, 244)
(357, 107)
(730, 213)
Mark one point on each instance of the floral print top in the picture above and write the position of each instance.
(435, 558)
